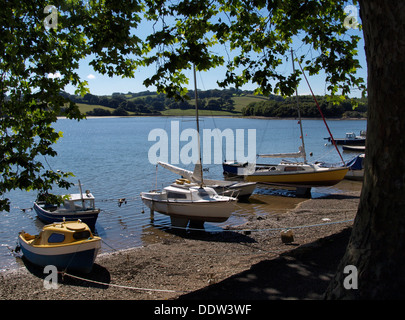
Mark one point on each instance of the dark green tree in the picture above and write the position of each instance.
(262, 32)
(39, 56)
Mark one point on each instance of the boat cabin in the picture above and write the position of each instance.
(188, 193)
(60, 234)
(76, 202)
(350, 135)
(284, 166)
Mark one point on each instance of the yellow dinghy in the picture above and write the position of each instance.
(66, 245)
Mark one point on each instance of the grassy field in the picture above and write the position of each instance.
(243, 101)
(191, 112)
(90, 107)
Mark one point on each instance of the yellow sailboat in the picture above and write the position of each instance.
(294, 174)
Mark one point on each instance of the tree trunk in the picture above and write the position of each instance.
(377, 244)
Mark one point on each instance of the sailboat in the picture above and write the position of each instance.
(299, 174)
(240, 189)
(290, 173)
(193, 201)
(356, 168)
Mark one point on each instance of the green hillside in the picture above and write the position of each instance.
(227, 102)
(211, 103)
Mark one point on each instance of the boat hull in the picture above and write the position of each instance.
(87, 216)
(200, 211)
(354, 148)
(241, 169)
(242, 190)
(232, 169)
(320, 178)
(79, 257)
(356, 175)
(351, 142)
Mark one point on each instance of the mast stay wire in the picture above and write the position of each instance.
(320, 111)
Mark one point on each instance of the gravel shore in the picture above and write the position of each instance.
(200, 265)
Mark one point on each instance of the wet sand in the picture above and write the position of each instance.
(249, 261)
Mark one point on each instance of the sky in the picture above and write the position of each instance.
(103, 85)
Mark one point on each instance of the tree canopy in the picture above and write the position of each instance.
(257, 36)
(349, 108)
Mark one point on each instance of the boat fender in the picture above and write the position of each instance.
(182, 181)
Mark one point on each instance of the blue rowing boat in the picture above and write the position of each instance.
(76, 206)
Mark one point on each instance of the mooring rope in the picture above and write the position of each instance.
(122, 286)
(257, 230)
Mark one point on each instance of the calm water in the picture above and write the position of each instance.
(110, 157)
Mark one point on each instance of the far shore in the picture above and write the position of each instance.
(217, 116)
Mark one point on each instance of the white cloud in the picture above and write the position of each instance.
(91, 76)
(54, 75)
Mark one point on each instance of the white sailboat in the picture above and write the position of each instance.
(187, 201)
(190, 202)
(239, 189)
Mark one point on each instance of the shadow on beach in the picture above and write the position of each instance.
(97, 274)
(302, 273)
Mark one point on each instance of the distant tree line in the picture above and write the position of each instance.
(280, 107)
(151, 103)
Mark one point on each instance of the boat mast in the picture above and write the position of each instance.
(299, 113)
(81, 194)
(198, 125)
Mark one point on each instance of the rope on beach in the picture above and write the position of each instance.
(121, 286)
(316, 225)
(260, 230)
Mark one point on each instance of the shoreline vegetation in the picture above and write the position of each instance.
(246, 262)
(226, 102)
